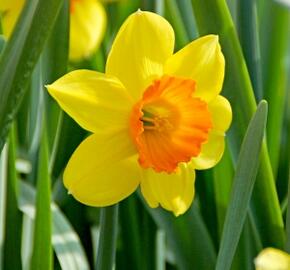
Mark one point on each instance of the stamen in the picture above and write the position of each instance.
(147, 119)
(150, 127)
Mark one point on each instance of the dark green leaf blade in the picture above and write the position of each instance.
(249, 39)
(275, 24)
(187, 237)
(108, 236)
(12, 240)
(3, 181)
(66, 242)
(287, 247)
(42, 250)
(20, 56)
(243, 184)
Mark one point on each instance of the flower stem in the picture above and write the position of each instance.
(108, 236)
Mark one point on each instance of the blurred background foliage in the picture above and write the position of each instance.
(240, 206)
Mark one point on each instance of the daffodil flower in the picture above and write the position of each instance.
(87, 27)
(87, 24)
(154, 116)
(10, 10)
(272, 259)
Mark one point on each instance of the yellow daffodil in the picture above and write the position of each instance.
(10, 10)
(155, 116)
(272, 259)
(87, 24)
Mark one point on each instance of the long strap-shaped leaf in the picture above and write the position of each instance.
(243, 184)
(20, 56)
(3, 183)
(65, 241)
(108, 236)
(42, 250)
(187, 237)
(213, 16)
(13, 220)
(248, 33)
(275, 24)
(287, 246)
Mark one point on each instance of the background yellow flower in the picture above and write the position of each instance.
(87, 25)
(10, 10)
(272, 259)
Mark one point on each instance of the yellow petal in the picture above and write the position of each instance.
(103, 170)
(96, 101)
(11, 11)
(142, 45)
(87, 27)
(221, 113)
(211, 152)
(8, 4)
(203, 61)
(174, 192)
(272, 259)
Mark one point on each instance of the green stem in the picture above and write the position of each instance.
(108, 236)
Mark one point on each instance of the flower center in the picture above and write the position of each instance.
(156, 122)
(168, 125)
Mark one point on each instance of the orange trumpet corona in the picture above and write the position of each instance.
(169, 124)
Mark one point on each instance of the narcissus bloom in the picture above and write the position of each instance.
(10, 10)
(155, 117)
(87, 24)
(272, 259)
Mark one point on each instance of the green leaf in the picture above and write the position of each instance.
(20, 56)
(249, 38)
(2, 43)
(54, 65)
(173, 15)
(275, 24)
(65, 143)
(185, 8)
(212, 16)
(287, 247)
(160, 250)
(159, 7)
(42, 251)
(222, 181)
(249, 243)
(3, 183)
(108, 236)
(187, 237)
(131, 233)
(66, 242)
(13, 220)
(148, 237)
(243, 184)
